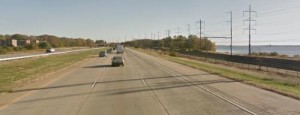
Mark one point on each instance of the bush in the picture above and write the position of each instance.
(254, 53)
(284, 56)
(3, 51)
(16, 48)
(172, 54)
(264, 53)
(274, 54)
(8, 48)
(44, 45)
(31, 46)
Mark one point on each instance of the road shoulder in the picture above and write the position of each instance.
(42, 81)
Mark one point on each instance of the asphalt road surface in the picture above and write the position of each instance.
(147, 85)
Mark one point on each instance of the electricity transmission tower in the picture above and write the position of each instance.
(178, 30)
(200, 22)
(250, 12)
(230, 31)
(189, 30)
(167, 33)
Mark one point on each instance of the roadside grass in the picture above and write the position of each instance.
(256, 79)
(12, 73)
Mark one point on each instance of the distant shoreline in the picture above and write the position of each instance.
(289, 50)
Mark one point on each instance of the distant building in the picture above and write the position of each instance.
(3, 43)
(22, 43)
(36, 41)
(12, 42)
(27, 41)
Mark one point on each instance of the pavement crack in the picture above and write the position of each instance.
(152, 89)
(90, 92)
(166, 69)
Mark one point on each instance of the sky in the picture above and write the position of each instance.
(277, 21)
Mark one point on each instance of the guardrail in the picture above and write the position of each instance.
(40, 55)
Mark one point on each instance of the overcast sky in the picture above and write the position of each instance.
(278, 21)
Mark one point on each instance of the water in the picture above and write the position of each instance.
(282, 50)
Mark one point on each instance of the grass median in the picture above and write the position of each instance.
(256, 79)
(12, 73)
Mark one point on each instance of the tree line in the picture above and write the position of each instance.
(44, 41)
(192, 42)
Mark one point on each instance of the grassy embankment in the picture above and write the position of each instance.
(13, 72)
(253, 78)
(14, 51)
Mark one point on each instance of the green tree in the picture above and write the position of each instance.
(19, 37)
(2, 37)
(90, 43)
(31, 46)
(44, 45)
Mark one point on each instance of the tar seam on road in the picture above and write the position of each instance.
(91, 91)
(95, 82)
(145, 83)
(211, 92)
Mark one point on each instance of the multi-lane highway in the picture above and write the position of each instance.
(16, 56)
(146, 85)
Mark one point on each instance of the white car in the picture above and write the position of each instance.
(50, 50)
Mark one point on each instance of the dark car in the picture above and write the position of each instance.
(117, 61)
(102, 54)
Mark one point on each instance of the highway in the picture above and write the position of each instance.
(146, 85)
(21, 55)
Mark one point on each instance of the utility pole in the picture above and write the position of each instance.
(200, 30)
(230, 31)
(250, 11)
(151, 36)
(167, 33)
(125, 39)
(178, 30)
(189, 30)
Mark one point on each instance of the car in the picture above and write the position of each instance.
(109, 50)
(50, 50)
(117, 61)
(102, 54)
